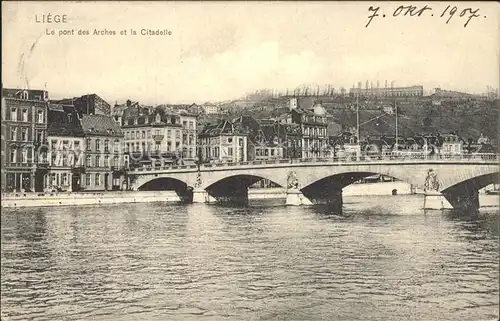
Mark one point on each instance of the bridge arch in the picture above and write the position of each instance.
(163, 184)
(234, 188)
(477, 182)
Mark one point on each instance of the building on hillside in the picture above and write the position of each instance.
(105, 162)
(90, 104)
(223, 142)
(24, 133)
(66, 146)
(195, 109)
(210, 108)
(412, 91)
(450, 95)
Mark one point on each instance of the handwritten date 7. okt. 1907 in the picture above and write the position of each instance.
(447, 13)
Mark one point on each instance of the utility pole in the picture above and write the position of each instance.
(358, 148)
(397, 141)
(357, 119)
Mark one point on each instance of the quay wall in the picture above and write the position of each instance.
(13, 200)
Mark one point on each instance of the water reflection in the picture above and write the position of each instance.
(380, 258)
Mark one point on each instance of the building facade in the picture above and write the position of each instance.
(189, 135)
(24, 133)
(90, 104)
(66, 147)
(222, 142)
(105, 162)
(313, 129)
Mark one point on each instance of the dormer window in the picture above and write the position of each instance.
(24, 95)
(158, 118)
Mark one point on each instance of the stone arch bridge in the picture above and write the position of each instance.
(456, 179)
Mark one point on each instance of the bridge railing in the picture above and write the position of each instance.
(393, 156)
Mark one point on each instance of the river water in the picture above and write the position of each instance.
(382, 258)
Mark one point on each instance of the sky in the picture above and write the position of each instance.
(221, 50)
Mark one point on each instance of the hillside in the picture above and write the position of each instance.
(469, 118)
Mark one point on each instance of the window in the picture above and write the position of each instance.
(40, 116)
(88, 161)
(13, 133)
(76, 145)
(97, 160)
(97, 179)
(184, 124)
(25, 115)
(106, 161)
(98, 145)
(115, 161)
(149, 133)
(116, 146)
(65, 179)
(12, 155)
(169, 132)
(143, 134)
(177, 133)
(24, 134)
(13, 114)
(157, 146)
(169, 146)
(39, 136)
(126, 135)
(89, 144)
(127, 147)
(229, 139)
(230, 151)
(87, 179)
(24, 155)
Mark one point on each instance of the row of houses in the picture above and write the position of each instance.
(85, 144)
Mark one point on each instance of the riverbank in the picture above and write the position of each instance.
(87, 198)
(14, 200)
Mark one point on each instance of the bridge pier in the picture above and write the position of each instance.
(227, 195)
(461, 199)
(331, 197)
(436, 201)
(201, 196)
(464, 197)
(295, 197)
